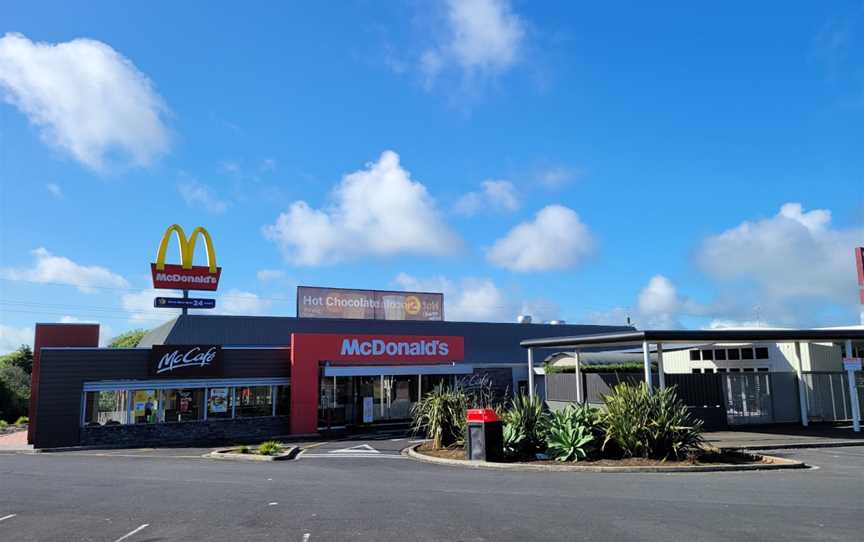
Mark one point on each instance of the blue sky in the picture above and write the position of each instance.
(684, 165)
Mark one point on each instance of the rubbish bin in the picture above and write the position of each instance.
(485, 439)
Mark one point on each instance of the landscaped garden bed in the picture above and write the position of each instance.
(266, 451)
(637, 429)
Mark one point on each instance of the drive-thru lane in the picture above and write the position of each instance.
(103, 498)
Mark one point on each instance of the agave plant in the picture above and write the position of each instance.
(570, 434)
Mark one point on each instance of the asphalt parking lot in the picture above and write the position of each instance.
(364, 495)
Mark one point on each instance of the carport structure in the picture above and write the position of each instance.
(654, 340)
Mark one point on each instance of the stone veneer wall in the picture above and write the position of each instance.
(202, 432)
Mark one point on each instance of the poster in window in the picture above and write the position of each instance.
(368, 407)
(184, 398)
(145, 405)
(218, 400)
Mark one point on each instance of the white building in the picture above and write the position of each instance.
(754, 357)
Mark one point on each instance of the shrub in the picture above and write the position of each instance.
(567, 439)
(244, 449)
(440, 414)
(524, 426)
(22, 420)
(643, 424)
(271, 447)
(3, 425)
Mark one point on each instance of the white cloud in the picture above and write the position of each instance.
(558, 176)
(377, 211)
(792, 255)
(54, 190)
(736, 324)
(197, 194)
(478, 299)
(87, 99)
(481, 38)
(12, 337)
(141, 311)
(497, 195)
(471, 300)
(57, 269)
(241, 303)
(658, 306)
(556, 239)
(267, 275)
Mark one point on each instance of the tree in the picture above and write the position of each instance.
(21, 358)
(130, 339)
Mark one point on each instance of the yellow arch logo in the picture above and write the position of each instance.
(187, 247)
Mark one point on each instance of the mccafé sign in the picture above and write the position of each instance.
(185, 276)
(185, 361)
(378, 348)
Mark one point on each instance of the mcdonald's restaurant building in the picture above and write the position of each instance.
(208, 379)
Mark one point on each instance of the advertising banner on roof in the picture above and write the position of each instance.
(315, 302)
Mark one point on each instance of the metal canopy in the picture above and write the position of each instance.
(696, 336)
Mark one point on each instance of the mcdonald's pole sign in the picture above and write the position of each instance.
(185, 276)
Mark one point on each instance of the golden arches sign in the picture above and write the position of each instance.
(187, 247)
(185, 276)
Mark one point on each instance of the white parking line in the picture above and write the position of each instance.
(354, 456)
(127, 535)
(10, 516)
(306, 537)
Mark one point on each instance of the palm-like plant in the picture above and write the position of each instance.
(524, 426)
(440, 416)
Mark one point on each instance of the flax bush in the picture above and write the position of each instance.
(525, 423)
(440, 414)
(270, 447)
(657, 426)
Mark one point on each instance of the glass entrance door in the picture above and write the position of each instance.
(400, 394)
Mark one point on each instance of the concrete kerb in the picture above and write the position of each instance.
(776, 464)
(794, 446)
(231, 454)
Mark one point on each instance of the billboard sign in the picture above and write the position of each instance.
(314, 302)
(185, 361)
(185, 276)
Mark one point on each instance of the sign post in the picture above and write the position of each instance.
(852, 364)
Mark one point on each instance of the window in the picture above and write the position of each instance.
(695, 371)
(694, 355)
(733, 354)
(708, 354)
(219, 403)
(720, 355)
(182, 405)
(283, 400)
(762, 369)
(748, 369)
(761, 352)
(746, 353)
(734, 370)
(721, 370)
(106, 408)
(145, 406)
(253, 401)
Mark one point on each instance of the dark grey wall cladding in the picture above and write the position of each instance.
(484, 342)
(204, 432)
(64, 371)
(501, 379)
